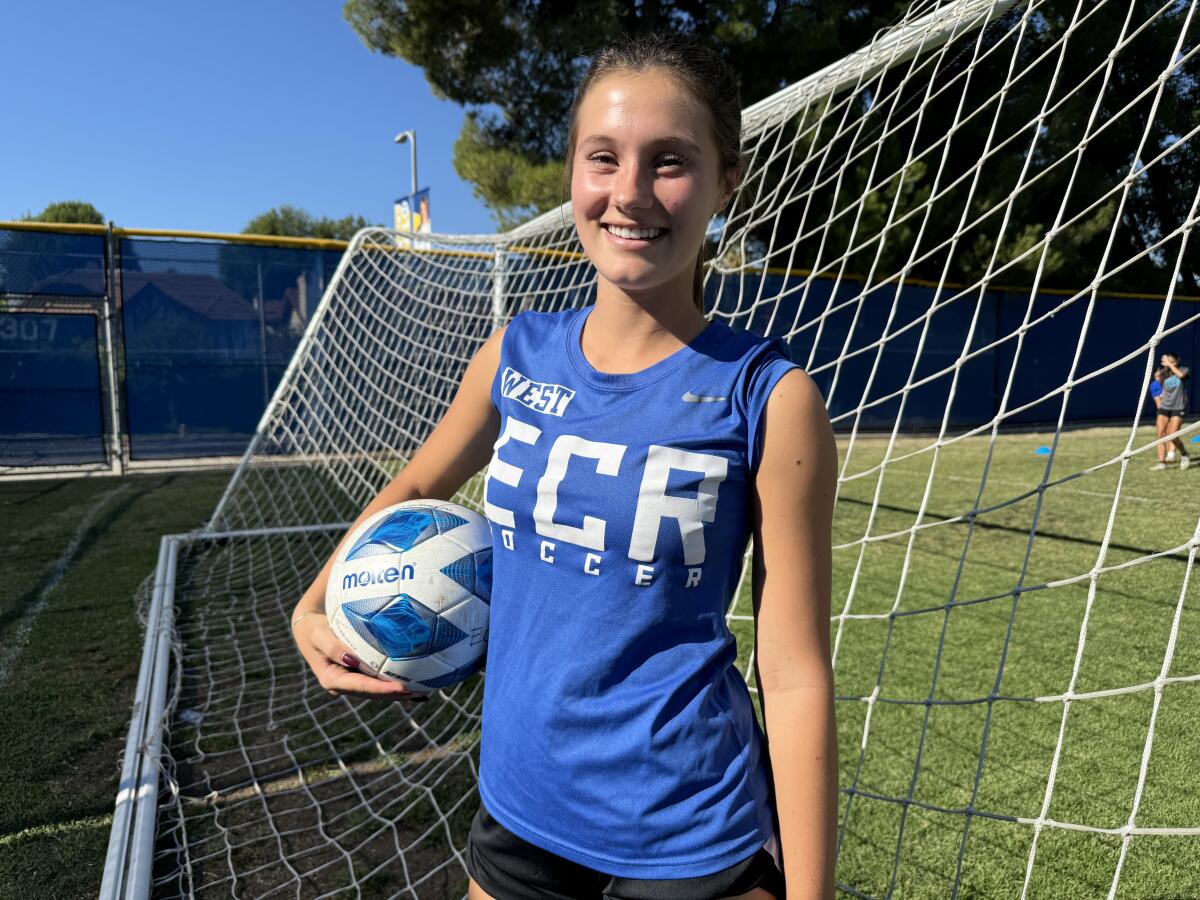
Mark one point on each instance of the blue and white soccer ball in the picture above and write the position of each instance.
(411, 590)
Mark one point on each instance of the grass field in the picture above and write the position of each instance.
(970, 634)
(73, 553)
(963, 635)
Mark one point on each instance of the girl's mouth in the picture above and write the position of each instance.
(633, 237)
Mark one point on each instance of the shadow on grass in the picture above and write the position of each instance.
(96, 531)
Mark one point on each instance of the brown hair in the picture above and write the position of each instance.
(701, 71)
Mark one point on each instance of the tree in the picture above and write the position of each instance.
(43, 262)
(68, 212)
(291, 221)
(514, 186)
(515, 66)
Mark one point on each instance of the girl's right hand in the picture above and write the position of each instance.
(334, 664)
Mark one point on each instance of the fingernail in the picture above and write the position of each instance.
(349, 660)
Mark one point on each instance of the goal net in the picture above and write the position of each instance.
(976, 235)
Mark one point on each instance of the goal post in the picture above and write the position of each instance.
(976, 235)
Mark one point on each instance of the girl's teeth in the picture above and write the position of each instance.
(635, 233)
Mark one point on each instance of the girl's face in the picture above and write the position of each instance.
(645, 180)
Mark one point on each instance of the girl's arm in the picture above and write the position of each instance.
(1178, 370)
(792, 582)
(458, 447)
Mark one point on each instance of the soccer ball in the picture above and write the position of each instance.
(410, 593)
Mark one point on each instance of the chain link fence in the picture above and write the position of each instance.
(121, 347)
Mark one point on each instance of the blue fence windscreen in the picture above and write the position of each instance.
(50, 397)
(209, 329)
(1117, 328)
(51, 264)
(860, 349)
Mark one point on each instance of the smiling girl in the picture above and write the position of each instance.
(634, 448)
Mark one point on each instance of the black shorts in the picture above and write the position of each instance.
(510, 868)
(1170, 412)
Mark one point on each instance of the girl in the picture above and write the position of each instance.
(620, 754)
(1160, 422)
(1172, 404)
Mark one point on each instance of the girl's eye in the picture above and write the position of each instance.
(669, 160)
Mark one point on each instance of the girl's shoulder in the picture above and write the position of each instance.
(537, 323)
(757, 364)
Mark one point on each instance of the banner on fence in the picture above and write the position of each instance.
(412, 214)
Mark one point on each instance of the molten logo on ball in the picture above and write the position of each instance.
(367, 577)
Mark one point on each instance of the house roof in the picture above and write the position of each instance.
(203, 295)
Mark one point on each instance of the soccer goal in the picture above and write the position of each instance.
(976, 234)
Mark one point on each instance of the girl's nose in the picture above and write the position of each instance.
(632, 189)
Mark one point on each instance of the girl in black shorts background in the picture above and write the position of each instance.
(1172, 406)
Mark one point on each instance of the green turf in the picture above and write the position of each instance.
(66, 704)
(1126, 641)
(1007, 622)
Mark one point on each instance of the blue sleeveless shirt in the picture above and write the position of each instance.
(617, 731)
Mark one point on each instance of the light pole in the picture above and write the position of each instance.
(411, 137)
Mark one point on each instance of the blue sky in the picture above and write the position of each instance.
(199, 116)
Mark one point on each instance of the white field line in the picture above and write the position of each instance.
(12, 648)
(57, 829)
(1024, 486)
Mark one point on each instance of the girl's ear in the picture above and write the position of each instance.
(731, 179)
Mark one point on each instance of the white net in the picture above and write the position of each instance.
(976, 236)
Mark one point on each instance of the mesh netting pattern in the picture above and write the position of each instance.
(1015, 624)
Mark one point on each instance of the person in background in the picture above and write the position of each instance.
(1172, 404)
(1159, 423)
